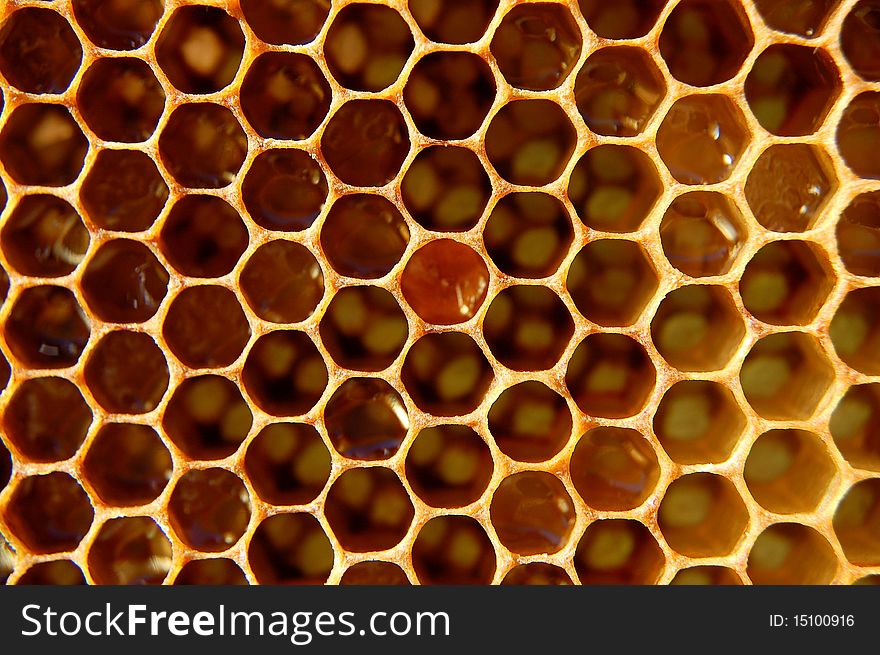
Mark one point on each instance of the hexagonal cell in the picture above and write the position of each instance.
(39, 52)
(366, 419)
(127, 464)
(446, 374)
(618, 551)
(868, 580)
(365, 142)
(56, 572)
(47, 328)
(625, 19)
(453, 550)
(858, 135)
(203, 146)
(44, 237)
(527, 328)
(123, 191)
(529, 142)
(858, 235)
(697, 328)
(446, 189)
(46, 419)
(5, 372)
(124, 282)
(364, 236)
(127, 373)
(284, 95)
(702, 138)
(220, 571)
(802, 18)
(857, 523)
(282, 282)
(855, 426)
(528, 234)
(791, 554)
(205, 327)
(611, 281)
(614, 468)
(291, 22)
(706, 575)
(374, 573)
(284, 373)
(698, 422)
(130, 551)
(448, 466)
(536, 573)
(530, 422)
(613, 188)
(49, 513)
(203, 236)
(207, 418)
(290, 549)
(200, 49)
(855, 330)
(448, 94)
(41, 145)
(284, 190)
(209, 509)
(785, 375)
(118, 25)
(7, 559)
(364, 328)
(445, 282)
(860, 39)
(5, 466)
(791, 88)
(368, 509)
(610, 375)
(536, 45)
(367, 46)
(287, 464)
(453, 21)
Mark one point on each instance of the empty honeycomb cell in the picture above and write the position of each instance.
(791, 554)
(284, 373)
(610, 375)
(791, 88)
(858, 135)
(290, 22)
(284, 190)
(130, 550)
(785, 376)
(46, 419)
(618, 551)
(123, 191)
(445, 282)
(858, 235)
(868, 580)
(532, 513)
(209, 509)
(706, 575)
(124, 282)
(614, 468)
(56, 572)
(284, 95)
(368, 509)
(625, 19)
(536, 45)
(127, 373)
(127, 464)
(200, 49)
(528, 234)
(698, 422)
(446, 374)
(802, 18)
(530, 422)
(448, 466)
(527, 328)
(697, 328)
(120, 99)
(39, 52)
(611, 281)
(5, 372)
(5, 466)
(449, 94)
(282, 282)
(205, 327)
(857, 523)
(374, 573)
(860, 39)
(203, 145)
(446, 189)
(44, 237)
(7, 560)
(536, 573)
(364, 328)
(453, 21)
(49, 513)
(290, 549)
(455, 550)
(855, 426)
(287, 463)
(367, 46)
(118, 24)
(214, 571)
(42, 145)
(366, 419)
(705, 42)
(613, 188)
(47, 328)
(855, 330)
(702, 139)
(529, 142)
(207, 418)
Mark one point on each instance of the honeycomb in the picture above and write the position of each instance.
(440, 291)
